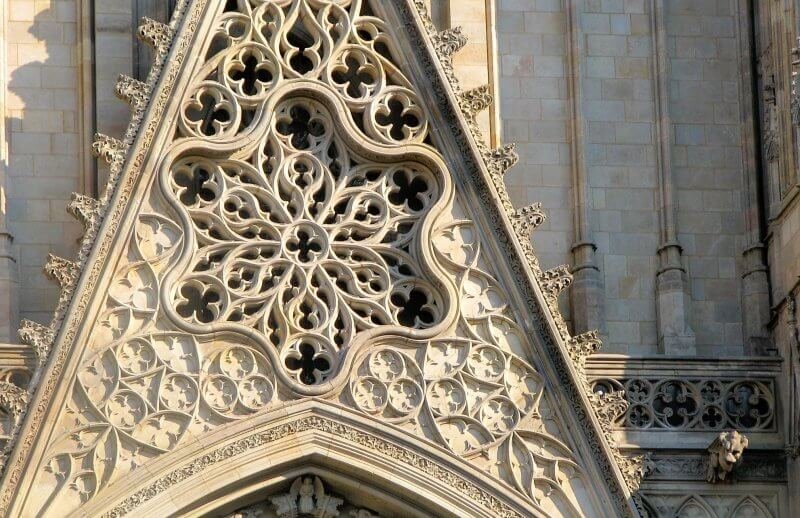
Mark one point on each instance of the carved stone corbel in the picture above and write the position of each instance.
(39, 337)
(527, 219)
(448, 42)
(109, 149)
(474, 101)
(13, 400)
(501, 159)
(579, 348)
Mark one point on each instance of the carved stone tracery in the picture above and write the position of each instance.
(694, 404)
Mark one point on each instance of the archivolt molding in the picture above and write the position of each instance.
(314, 431)
(332, 202)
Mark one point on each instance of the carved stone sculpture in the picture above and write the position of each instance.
(306, 497)
(724, 453)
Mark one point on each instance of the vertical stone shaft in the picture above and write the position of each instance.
(587, 295)
(673, 299)
(755, 277)
(8, 264)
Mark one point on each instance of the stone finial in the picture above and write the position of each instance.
(132, 91)
(474, 101)
(526, 219)
(156, 34)
(501, 159)
(63, 271)
(724, 454)
(38, 337)
(85, 209)
(449, 41)
(556, 280)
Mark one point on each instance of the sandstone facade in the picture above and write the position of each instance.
(659, 136)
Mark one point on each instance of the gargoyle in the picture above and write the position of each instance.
(724, 453)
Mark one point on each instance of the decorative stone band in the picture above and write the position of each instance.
(691, 499)
(698, 404)
(754, 466)
(795, 107)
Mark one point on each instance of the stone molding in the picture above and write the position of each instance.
(309, 423)
(755, 467)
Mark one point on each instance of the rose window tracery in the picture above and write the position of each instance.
(305, 240)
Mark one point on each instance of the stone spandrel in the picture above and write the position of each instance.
(297, 232)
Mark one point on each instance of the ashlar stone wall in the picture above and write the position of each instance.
(43, 165)
(632, 161)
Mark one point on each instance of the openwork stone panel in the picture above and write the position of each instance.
(471, 390)
(694, 404)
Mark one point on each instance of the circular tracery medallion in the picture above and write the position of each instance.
(302, 238)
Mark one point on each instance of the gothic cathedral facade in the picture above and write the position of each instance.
(389, 258)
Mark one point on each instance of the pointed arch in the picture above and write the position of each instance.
(749, 507)
(250, 458)
(694, 504)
